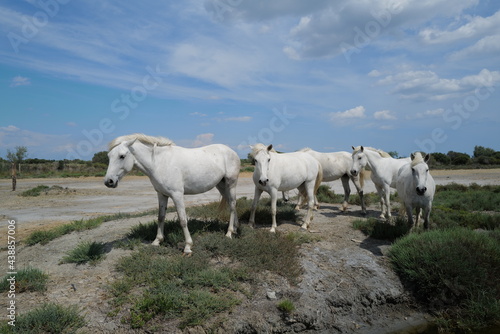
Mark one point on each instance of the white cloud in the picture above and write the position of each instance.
(342, 117)
(477, 27)
(238, 119)
(428, 113)
(196, 113)
(203, 139)
(384, 115)
(486, 46)
(343, 26)
(20, 81)
(427, 85)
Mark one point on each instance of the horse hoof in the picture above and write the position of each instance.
(156, 243)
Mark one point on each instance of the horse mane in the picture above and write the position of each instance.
(259, 147)
(382, 153)
(147, 140)
(417, 158)
(305, 149)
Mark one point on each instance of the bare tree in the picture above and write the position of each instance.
(16, 158)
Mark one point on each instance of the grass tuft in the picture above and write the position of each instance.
(286, 306)
(48, 318)
(27, 279)
(36, 191)
(85, 252)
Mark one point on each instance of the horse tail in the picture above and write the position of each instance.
(222, 204)
(319, 178)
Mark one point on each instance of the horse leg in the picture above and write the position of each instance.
(162, 209)
(274, 199)
(417, 215)
(382, 200)
(359, 189)
(427, 214)
(228, 193)
(387, 195)
(409, 213)
(255, 202)
(309, 190)
(347, 191)
(181, 212)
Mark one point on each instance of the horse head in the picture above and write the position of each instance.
(420, 172)
(262, 157)
(121, 161)
(359, 160)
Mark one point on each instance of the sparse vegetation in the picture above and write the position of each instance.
(158, 283)
(45, 236)
(84, 252)
(36, 191)
(48, 318)
(27, 279)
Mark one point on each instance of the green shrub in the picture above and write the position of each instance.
(48, 318)
(36, 191)
(376, 229)
(286, 306)
(27, 279)
(326, 195)
(456, 271)
(85, 252)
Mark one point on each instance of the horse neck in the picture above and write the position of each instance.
(374, 159)
(144, 157)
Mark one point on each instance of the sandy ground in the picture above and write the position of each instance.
(83, 198)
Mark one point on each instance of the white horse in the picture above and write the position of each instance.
(175, 171)
(276, 172)
(384, 174)
(416, 188)
(337, 165)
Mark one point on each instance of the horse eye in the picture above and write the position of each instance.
(268, 159)
(122, 156)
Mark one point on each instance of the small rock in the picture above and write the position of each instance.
(271, 295)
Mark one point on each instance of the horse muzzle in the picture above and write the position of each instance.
(110, 183)
(354, 172)
(263, 182)
(421, 191)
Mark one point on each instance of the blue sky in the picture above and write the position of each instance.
(400, 75)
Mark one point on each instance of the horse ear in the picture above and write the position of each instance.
(362, 148)
(427, 157)
(353, 148)
(270, 147)
(412, 156)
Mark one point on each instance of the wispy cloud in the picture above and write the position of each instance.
(20, 81)
(238, 119)
(384, 115)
